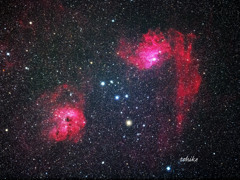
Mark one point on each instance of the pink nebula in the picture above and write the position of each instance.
(151, 50)
(68, 123)
(65, 117)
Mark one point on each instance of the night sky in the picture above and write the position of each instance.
(119, 89)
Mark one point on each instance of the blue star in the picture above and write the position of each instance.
(126, 96)
(117, 97)
(102, 83)
(168, 168)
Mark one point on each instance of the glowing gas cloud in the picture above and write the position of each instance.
(65, 117)
(155, 48)
(188, 78)
(69, 122)
(151, 50)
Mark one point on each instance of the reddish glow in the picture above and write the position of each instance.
(68, 122)
(151, 50)
(188, 78)
(155, 49)
(64, 108)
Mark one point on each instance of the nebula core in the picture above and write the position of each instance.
(151, 50)
(68, 123)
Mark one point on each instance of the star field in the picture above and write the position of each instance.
(119, 89)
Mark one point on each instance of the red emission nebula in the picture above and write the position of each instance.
(65, 118)
(154, 49)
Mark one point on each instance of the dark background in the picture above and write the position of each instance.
(89, 40)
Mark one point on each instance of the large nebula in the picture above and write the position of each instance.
(188, 78)
(151, 50)
(64, 111)
(155, 48)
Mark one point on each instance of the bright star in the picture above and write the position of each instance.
(154, 59)
(117, 97)
(8, 53)
(168, 168)
(102, 83)
(129, 122)
(126, 96)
